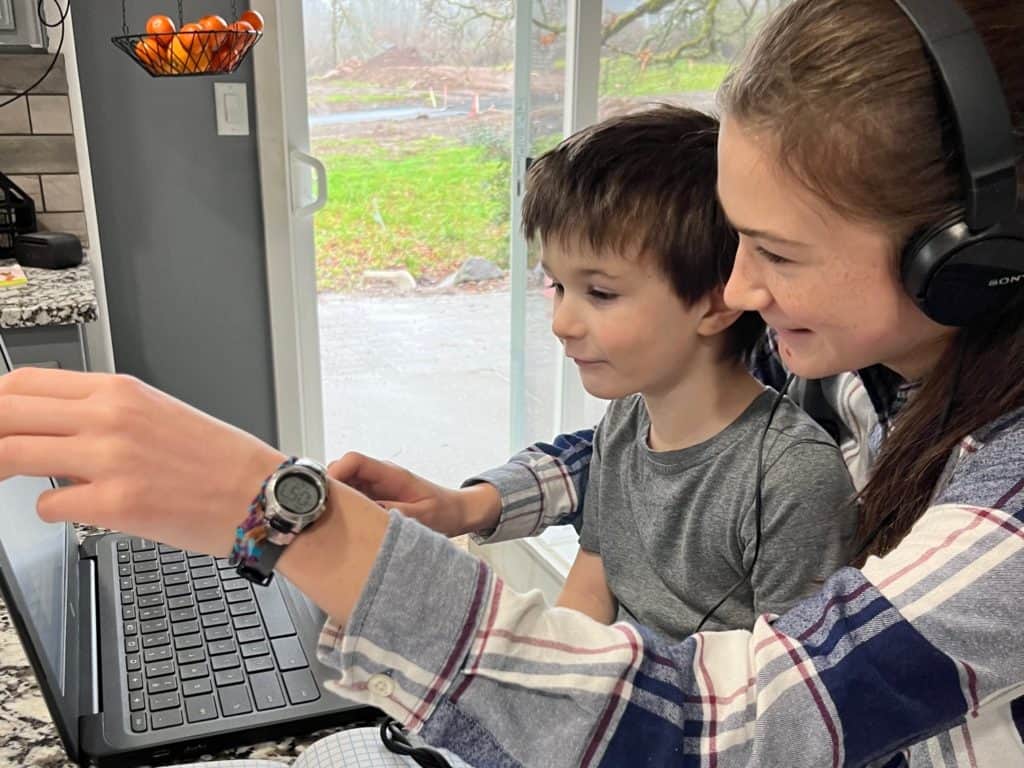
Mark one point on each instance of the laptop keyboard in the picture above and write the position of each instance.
(201, 643)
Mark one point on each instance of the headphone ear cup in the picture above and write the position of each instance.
(920, 257)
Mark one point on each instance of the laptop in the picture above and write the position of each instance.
(147, 653)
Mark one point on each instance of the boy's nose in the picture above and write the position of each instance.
(745, 289)
(565, 322)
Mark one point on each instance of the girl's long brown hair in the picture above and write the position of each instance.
(847, 89)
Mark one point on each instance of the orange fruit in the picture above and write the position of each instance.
(163, 26)
(214, 24)
(222, 59)
(240, 37)
(253, 17)
(189, 40)
(149, 52)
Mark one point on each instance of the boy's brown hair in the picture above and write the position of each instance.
(643, 183)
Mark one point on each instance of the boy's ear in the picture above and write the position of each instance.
(718, 317)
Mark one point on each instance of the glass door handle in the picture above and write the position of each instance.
(299, 157)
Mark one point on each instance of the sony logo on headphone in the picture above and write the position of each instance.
(1005, 281)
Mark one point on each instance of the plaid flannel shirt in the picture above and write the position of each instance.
(914, 659)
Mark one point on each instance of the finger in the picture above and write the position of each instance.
(27, 415)
(72, 503)
(50, 382)
(46, 456)
(347, 467)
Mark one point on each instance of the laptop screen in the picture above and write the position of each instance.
(39, 581)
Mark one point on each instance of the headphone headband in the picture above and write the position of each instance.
(984, 128)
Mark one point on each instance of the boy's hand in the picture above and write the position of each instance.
(446, 510)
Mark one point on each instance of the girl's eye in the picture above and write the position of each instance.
(771, 258)
(600, 295)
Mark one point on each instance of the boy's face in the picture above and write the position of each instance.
(620, 321)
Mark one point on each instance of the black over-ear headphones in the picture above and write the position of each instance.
(963, 269)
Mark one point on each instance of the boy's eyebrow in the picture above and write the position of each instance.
(583, 272)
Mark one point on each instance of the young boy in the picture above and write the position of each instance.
(638, 253)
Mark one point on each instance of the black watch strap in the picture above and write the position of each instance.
(261, 571)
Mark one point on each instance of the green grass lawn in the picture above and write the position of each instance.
(425, 207)
(624, 77)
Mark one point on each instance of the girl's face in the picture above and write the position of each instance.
(828, 285)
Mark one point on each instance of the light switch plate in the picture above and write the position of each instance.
(232, 109)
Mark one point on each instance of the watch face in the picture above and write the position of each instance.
(297, 494)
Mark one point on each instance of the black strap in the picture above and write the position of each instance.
(395, 739)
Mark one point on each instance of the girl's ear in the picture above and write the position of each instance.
(718, 317)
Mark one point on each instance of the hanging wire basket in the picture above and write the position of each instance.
(188, 50)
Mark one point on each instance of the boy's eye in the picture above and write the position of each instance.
(600, 295)
(771, 258)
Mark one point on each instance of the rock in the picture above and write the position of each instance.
(398, 279)
(476, 270)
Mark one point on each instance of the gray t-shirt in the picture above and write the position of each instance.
(676, 529)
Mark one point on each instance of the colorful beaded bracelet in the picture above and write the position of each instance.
(253, 530)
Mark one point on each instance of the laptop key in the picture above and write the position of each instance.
(255, 649)
(179, 590)
(127, 598)
(242, 609)
(197, 686)
(123, 545)
(191, 671)
(123, 558)
(221, 646)
(148, 601)
(217, 633)
(136, 701)
(228, 677)
(227, 661)
(212, 606)
(160, 669)
(300, 686)
(147, 567)
(154, 641)
(132, 662)
(234, 700)
(177, 603)
(246, 622)
(144, 557)
(165, 548)
(200, 708)
(131, 644)
(208, 583)
(166, 719)
(162, 685)
(214, 619)
(142, 545)
(203, 595)
(147, 578)
(185, 642)
(183, 614)
(152, 612)
(191, 656)
(289, 653)
(176, 579)
(169, 568)
(203, 572)
(134, 681)
(199, 561)
(275, 612)
(238, 596)
(131, 628)
(156, 625)
(149, 589)
(172, 557)
(128, 612)
(139, 722)
(250, 635)
(125, 582)
(234, 585)
(163, 701)
(259, 664)
(185, 628)
(153, 655)
(124, 570)
(266, 690)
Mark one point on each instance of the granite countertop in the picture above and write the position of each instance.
(28, 738)
(51, 297)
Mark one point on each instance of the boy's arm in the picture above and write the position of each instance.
(809, 524)
(586, 589)
(541, 486)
